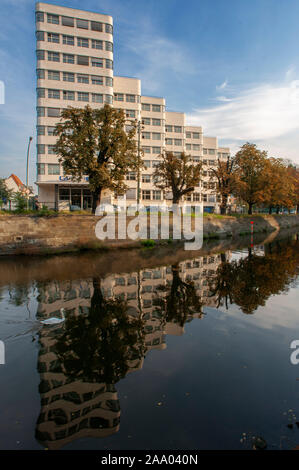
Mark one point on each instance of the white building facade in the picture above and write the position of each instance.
(74, 51)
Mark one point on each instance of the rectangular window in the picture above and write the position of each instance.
(177, 142)
(211, 151)
(196, 197)
(40, 130)
(109, 64)
(168, 141)
(146, 194)
(130, 113)
(168, 128)
(82, 60)
(157, 150)
(109, 99)
(205, 151)
(53, 75)
(108, 28)
(40, 111)
(53, 37)
(67, 21)
(97, 98)
(40, 35)
(131, 176)
(40, 73)
(147, 163)
(97, 62)
(109, 81)
(40, 168)
(68, 58)
(83, 24)
(146, 178)
(118, 97)
(53, 56)
(109, 46)
(97, 80)
(51, 150)
(177, 129)
(96, 26)
(68, 95)
(146, 135)
(55, 94)
(68, 77)
(82, 42)
(83, 96)
(196, 147)
(40, 92)
(145, 107)
(156, 122)
(40, 55)
(146, 149)
(96, 44)
(50, 130)
(82, 78)
(39, 17)
(156, 195)
(53, 112)
(196, 135)
(156, 136)
(188, 146)
(146, 121)
(68, 40)
(188, 135)
(40, 149)
(53, 169)
(156, 108)
(130, 98)
(53, 19)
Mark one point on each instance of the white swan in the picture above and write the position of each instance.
(54, 320)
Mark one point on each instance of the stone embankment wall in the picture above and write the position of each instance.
(44, 235)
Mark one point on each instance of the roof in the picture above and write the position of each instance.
(16, 179)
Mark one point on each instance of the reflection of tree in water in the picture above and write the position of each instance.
(99, 346)
(250, 281)
(178, 301)
(79, 364)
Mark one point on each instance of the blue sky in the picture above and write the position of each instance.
(231, 65)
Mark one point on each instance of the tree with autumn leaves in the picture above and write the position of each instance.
(94, 142)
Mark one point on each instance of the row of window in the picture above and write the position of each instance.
(56, 112)
(192, 135)
(52, 168)
(156, 108)
(177, 129)
(72, 41)
(74, 59)
(70, 77)
(126, 97)
(152, 135)
(173, 142)
(72, 22)
(72, 95)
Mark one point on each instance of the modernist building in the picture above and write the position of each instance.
(74, 68)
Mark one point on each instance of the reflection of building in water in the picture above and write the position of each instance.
(74, 409)
(71, 409)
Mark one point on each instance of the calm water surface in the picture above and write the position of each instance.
(155, 350)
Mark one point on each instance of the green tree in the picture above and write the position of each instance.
(225, 181)
(94, 142)
(177, 174)
(251, 182)
(5, 193)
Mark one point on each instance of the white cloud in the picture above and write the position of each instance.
(222, 86)
(262, 114)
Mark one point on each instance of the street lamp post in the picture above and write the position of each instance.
(27, 169)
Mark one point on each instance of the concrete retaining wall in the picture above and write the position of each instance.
(44, 235)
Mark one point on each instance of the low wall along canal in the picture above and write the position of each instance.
(34, 235)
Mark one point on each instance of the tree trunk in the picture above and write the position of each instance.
(223, 205)
(250, 204)
(96, 199)
(270, 209)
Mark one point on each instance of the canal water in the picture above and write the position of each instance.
(152, 349)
